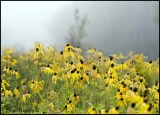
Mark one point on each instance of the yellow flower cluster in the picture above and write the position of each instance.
(36, 86)
(46, 80)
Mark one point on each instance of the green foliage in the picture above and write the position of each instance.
(39, 73)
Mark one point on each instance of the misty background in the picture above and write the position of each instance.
(113, 26)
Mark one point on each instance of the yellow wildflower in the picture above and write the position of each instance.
(85, 76)
(131, 109)
(16, 92)
(7, 93)
(4, 83)
(54, 78)
(39, 50)
(74, 98)
(103, 111)
(91, 110)
(69, 107)
(51, 105)
(14, 62)
(24, 98)
(50, 48)
(114, 110)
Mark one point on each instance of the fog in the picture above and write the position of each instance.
(112, 26)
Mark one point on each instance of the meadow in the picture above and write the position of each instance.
(47, 81)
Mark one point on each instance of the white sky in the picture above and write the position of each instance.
(29, 19)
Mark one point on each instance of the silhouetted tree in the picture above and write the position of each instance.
(77, 32)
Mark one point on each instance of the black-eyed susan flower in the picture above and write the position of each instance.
(36, 86)
(51, 106)
(52, 95)
(81, 66)
(107, 88)
(133, 97)
(16, 73)
(92, 110)
(13, 62)
(114, 110)
(111, 81)
(91, 51)
(69, 107)
(112, 70)
(4, 83)
(54, 78)
(7, 93)
(74, 98)
(39, 50)
(103, 111)
(24, 87)
(68, 47)
(5, 58)
(47, 70)
(7, 69)
(24, 98)
(100, 54)
(16, 92)
(131, 109)
(143, 108)
(74, 75)
(94, 72)
(111, 58)
(79, 84)
(122, 66)
(68, 51)
(150, 109)
(40, 84)
(85, 76)
(147, 64)
(50, 48)
(141, 86)
(122, 101)
(71, 65)
(28, 94)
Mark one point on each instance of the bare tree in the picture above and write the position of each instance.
(77, 32)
